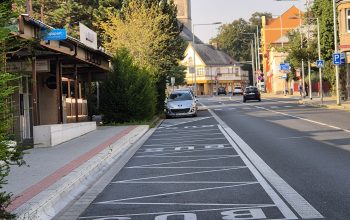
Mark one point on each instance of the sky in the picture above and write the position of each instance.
(226, 11)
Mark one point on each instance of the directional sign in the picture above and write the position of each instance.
(56, 34)
(342, 58)
(284, 66)
(320, 63)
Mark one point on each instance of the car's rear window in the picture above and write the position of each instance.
(180, 96)
(237, 87)
(251, 89)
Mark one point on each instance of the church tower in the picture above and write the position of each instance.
(184, 12)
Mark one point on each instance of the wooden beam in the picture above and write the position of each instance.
(59, 92)
(76, 92)
(34, 93)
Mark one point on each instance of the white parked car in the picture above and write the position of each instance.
(180, 103)
(237, 91)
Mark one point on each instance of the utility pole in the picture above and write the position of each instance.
(253, 68)
(336, 51)
(29, 7)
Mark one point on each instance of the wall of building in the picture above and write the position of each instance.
(48, 110)
(344, 35)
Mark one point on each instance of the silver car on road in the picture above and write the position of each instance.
(180, 103)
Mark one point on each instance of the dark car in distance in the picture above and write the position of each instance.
(251, 93)
(222, 90)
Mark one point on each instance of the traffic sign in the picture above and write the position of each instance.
(284, 76)
(338, 58)
(172, 80)
(320, 63)
(284, 66)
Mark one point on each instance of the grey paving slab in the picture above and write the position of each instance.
(41, 162)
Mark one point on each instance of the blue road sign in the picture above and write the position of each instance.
(342, 58)
(284, 66)
(320, 63)
(337, 58)
(56, 34)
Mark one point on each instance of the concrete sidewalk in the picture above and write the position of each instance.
(328, 102)
(55, 176)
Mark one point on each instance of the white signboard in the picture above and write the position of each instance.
(88, 36)
(26, 66)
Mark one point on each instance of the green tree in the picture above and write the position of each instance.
(67, 14)
(9, 152)
(150, 31)
(321, 9)
(233, 38)
(128, 94)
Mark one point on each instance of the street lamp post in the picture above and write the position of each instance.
(254, 57)
(194, 52)
(301, 46)
(336, 51)
(319, 58)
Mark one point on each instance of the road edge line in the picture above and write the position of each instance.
(293, 198)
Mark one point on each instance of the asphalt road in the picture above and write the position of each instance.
(273, 159)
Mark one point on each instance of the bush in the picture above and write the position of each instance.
(128, 94)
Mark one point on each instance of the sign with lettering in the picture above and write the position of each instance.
(55, 34)
(88, 36)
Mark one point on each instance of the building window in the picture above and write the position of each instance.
(200, 72)
(348, 20)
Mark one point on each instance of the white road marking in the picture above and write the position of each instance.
(183, 182)
(178, 192)
(187, 161)
(182, 174)
(222, 167)
(305, 119)
(181, 142)
(192, 204)
(182, 137)
(199, 126)
(155, 156)
(157, 213)
(173, 146)
(274, 107)
(183, 122)
(163, 133)
(297, 202)
(181, 152)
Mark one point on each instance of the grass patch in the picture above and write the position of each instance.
(152, 123)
